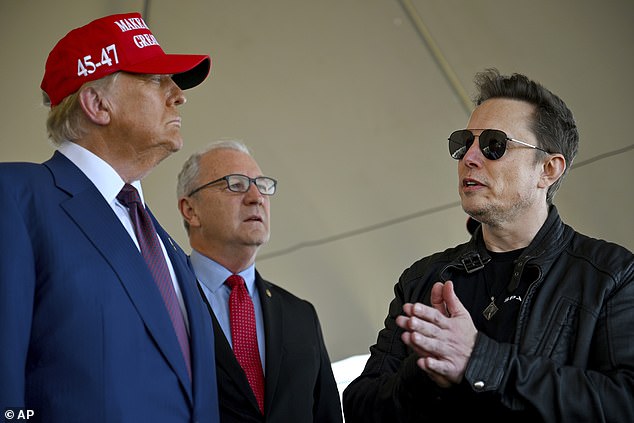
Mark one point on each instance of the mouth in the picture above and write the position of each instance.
(254, 218)
(471, 183)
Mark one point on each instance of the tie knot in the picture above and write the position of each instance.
(234, 281)
(128, 195)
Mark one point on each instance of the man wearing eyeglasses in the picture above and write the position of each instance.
(284, 374)
(528, 321)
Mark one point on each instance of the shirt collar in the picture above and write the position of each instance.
(214, 275)
(100, 173)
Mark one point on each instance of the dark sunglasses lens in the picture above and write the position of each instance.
(493, 143)
(459, 143)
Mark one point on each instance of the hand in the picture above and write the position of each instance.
(442, 335)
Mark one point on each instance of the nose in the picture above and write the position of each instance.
(253, 195)
(176, 94)
(473, 156)
(179, 97)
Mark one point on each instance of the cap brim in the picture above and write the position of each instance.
(188, 70)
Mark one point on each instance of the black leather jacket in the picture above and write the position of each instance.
(572, 359)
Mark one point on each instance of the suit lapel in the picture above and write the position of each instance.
(186, 280)
(272, 313)
(90, 212)
(226, 361)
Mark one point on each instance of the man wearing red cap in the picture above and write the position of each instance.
(100, 318)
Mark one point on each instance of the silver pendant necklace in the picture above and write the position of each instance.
(490, 310)
(499, 269)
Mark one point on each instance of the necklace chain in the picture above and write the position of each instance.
(492, 308)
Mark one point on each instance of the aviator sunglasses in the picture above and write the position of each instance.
(492, 143)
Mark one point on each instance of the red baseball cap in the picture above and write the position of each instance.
(110, 44)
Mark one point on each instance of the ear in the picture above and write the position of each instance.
(94, 105)
(188, 211)
(552, 169)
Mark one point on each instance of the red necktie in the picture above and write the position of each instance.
(244, 336)
(153, 255)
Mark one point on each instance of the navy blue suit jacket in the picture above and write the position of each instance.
(85, 336)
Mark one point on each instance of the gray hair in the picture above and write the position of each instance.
(191, 167)
(66, 121)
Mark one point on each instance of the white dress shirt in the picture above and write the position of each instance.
(109, 183)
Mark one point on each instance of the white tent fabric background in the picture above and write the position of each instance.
(349, 104)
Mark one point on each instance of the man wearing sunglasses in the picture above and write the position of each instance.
(284, 374)
(528, 321)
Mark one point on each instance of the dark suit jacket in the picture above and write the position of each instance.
(85, 333)
(299, 383)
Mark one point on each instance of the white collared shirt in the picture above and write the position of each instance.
(109, 183)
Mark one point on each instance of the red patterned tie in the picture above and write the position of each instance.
(153, 255)
(244, 336)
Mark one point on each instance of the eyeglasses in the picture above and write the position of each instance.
(492, 143)
(242, 183)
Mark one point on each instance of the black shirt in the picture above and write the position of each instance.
(492, 284)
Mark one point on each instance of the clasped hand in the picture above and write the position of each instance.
(442, 335)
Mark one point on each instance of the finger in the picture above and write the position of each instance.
(436, 293)
(453, 304)
(429, 314)
(419, 326)
(428, 344)
(416, 325)
(442, 368)
(439, 379)
(406, 337)
(408, 323)
(436, 298)
(402, 322)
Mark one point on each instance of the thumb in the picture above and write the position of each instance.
(453, 304)
(437, 300)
